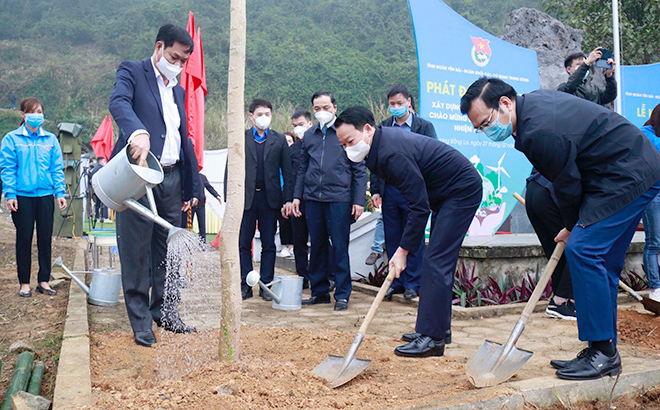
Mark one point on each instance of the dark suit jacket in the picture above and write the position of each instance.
(419, 126)
(135, 104)
(204, 183)
(277, 157)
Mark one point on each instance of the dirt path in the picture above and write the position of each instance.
(39, 319)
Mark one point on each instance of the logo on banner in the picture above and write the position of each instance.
(480, 51)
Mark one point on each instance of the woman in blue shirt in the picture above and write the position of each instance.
(31, 162)
(651, 216)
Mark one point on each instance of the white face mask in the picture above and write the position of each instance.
(262, 122)
(324, 117)
(358, 152)
(300, 131)
(167, 69)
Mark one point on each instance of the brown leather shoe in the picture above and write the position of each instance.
(372, 258)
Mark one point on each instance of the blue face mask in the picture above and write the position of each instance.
(399, 111)
(497, 131)
(34, 120)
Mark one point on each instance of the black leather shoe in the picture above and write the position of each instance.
(423, 346)
(246, 293)
(175, 325)
(410, 294)
(333, 285)
(265, 296)
(315, 300)
(592, 365)
(389, 294)
(341, 304)
(27, 294)
(145, 338)
(409, 337)
(560, 364)
(49, 292)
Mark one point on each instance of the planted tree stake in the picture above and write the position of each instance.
(19, 381)
(35, 380)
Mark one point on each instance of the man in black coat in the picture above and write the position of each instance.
(430, 175)
(604, 172)
(334, 189)
(395, 206)
(266, 156)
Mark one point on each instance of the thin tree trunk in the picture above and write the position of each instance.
(231, 273)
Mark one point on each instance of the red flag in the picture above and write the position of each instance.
(193, 80)
(104, 139)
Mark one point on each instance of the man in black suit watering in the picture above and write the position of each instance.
(266, 156)
(148, 105)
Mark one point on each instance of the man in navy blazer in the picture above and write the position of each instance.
(148, 105)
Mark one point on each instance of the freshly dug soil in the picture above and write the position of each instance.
(639, 329)
(274, 371)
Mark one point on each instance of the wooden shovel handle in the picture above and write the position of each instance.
(376, 303)
(543, 281)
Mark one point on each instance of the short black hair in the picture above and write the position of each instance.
(259, 102)
(574, 56)
(169, 33)
(357, 116)
(399, 89)
(490, 90)
(322, 93)
(302, 113)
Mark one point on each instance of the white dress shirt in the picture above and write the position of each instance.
(172, 143)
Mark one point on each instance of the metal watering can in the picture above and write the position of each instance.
(121, 182)
(104, 289)
(286, 292)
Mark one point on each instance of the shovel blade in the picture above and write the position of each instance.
(651, 305)
(481, 370)
(329, 369)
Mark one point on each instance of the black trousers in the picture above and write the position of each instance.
(261, 212)
(286, 230)
(439, 263)
(33, 210)
(547, 221)
(300, 248)
(142, 250)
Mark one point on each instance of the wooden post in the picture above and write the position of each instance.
(231, 272)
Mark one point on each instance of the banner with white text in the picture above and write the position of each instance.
(452, 53)
(640, 89)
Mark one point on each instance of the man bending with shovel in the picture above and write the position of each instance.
(604, 173)
(431, 176)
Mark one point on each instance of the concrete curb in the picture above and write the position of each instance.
(459, 312)
(73, 384)
(546, 391)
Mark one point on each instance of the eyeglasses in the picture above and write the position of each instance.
(486, 123)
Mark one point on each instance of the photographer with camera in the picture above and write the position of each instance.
(577, 66)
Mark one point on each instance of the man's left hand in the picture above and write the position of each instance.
(194, 202)
(185, 206)
(610, 71)
(61, 202)
(357, 211)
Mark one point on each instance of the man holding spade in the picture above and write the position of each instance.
(431, 176)
(604, 172)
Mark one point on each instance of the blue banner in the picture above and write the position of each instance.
(640, 89)
(452, 53)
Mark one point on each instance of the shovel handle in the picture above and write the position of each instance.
(376, 303)
(632, 292)
(543, 281)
